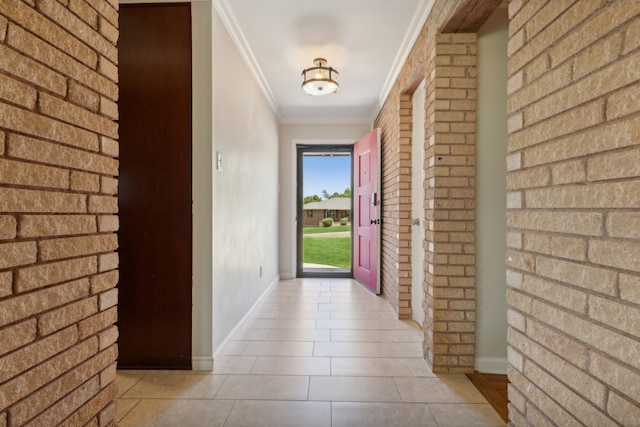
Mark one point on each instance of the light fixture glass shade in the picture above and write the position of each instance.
(320, 80)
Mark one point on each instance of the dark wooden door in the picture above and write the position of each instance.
(155, 186)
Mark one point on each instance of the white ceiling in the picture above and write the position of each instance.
(365, 40)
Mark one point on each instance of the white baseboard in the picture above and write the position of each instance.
(217, 352)
(287, 276)
(202, 363)
(491, 365)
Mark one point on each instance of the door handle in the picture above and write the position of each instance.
(374, 221)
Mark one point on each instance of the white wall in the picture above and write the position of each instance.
(491, 338)
(289, 134)
(245, 192)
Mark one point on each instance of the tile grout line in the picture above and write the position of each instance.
(226, 419)
(130, 410)
(317, 343)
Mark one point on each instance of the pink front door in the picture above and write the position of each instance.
(366, 215)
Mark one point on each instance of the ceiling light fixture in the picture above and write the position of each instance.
(320, 80)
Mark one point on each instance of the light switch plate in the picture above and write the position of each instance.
(219, 161)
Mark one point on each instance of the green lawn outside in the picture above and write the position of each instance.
(334, 251)
(318, 230)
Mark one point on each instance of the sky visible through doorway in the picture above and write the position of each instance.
(331, 173)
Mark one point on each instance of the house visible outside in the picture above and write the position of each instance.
(335, 208)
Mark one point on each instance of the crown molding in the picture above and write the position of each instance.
(231, 24)
(419, 18)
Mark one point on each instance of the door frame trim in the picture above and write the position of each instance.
(299, 223)
(293, 259)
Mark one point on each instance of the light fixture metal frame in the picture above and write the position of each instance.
(330, 77)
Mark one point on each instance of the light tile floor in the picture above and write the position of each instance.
(316, 352)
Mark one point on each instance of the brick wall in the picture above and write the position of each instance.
(396, 205)
(314, 219)
(451, 199)
(447, 62)
(573, 199)
(58, 211)
(394, 121)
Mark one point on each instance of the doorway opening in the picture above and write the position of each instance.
(417, 206)
(324, 207)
